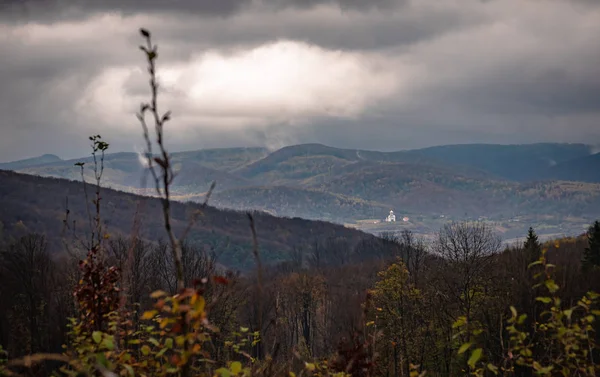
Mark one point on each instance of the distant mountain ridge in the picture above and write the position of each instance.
(321, 182)
(33, 161)
(519, 162)
(583, 169)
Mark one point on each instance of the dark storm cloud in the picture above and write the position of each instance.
(52, 10)
(415, 73)
(344, 4)
(368, 25)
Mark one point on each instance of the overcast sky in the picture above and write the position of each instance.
(370, 74)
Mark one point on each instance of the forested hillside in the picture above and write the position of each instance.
(526, 162)
(36, 204)
(319, 182)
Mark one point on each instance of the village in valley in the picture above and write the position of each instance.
(511, 229)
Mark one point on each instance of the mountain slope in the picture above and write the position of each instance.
(34, 161)
(584, 169)
(225, 159)
(522, 162)
(297, 202)
(125, 171)
(31, 203)
(292, 165)
(321, 182)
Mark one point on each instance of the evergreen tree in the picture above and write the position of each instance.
(591, 255)
(532, 246)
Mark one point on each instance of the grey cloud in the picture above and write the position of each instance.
(478, 82)
(57, 10)
(330, 29)
(53, 10)
(343, 4)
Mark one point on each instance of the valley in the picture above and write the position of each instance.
(510, 186)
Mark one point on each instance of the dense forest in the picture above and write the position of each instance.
(387, 313)
(96, 286)
(37, 204)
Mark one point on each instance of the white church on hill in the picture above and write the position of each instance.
(391, 217)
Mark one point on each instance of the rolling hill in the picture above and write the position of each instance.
(38, 204)
(524, 162)
(298, 202)
(321, 182)
(583, 169)
(34, 161)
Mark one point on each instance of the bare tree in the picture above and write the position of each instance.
(415, 251)
(27, 269)
(466, 249)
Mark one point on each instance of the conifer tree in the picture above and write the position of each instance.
(591, 255)
(532, 246)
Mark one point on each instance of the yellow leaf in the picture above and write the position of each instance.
(464, 348)
(475, 356)
(236, 367)
(163, 323)
(97, 336)
(157, 294)
(149, 314)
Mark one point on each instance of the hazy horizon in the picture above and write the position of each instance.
(593, 149)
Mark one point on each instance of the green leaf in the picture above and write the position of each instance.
(568, 313)
(551, 285)
(108, 343)
(459, 322)
(492, 368)
(545, 300)
(590, 318)
(475, 356)
(236, 367)
(97, 336)
(101, 359)
(464, 348)
(223, 372)
(145, 350)
(161, 352)
(154, 342)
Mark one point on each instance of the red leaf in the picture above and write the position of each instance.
(220, 280)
